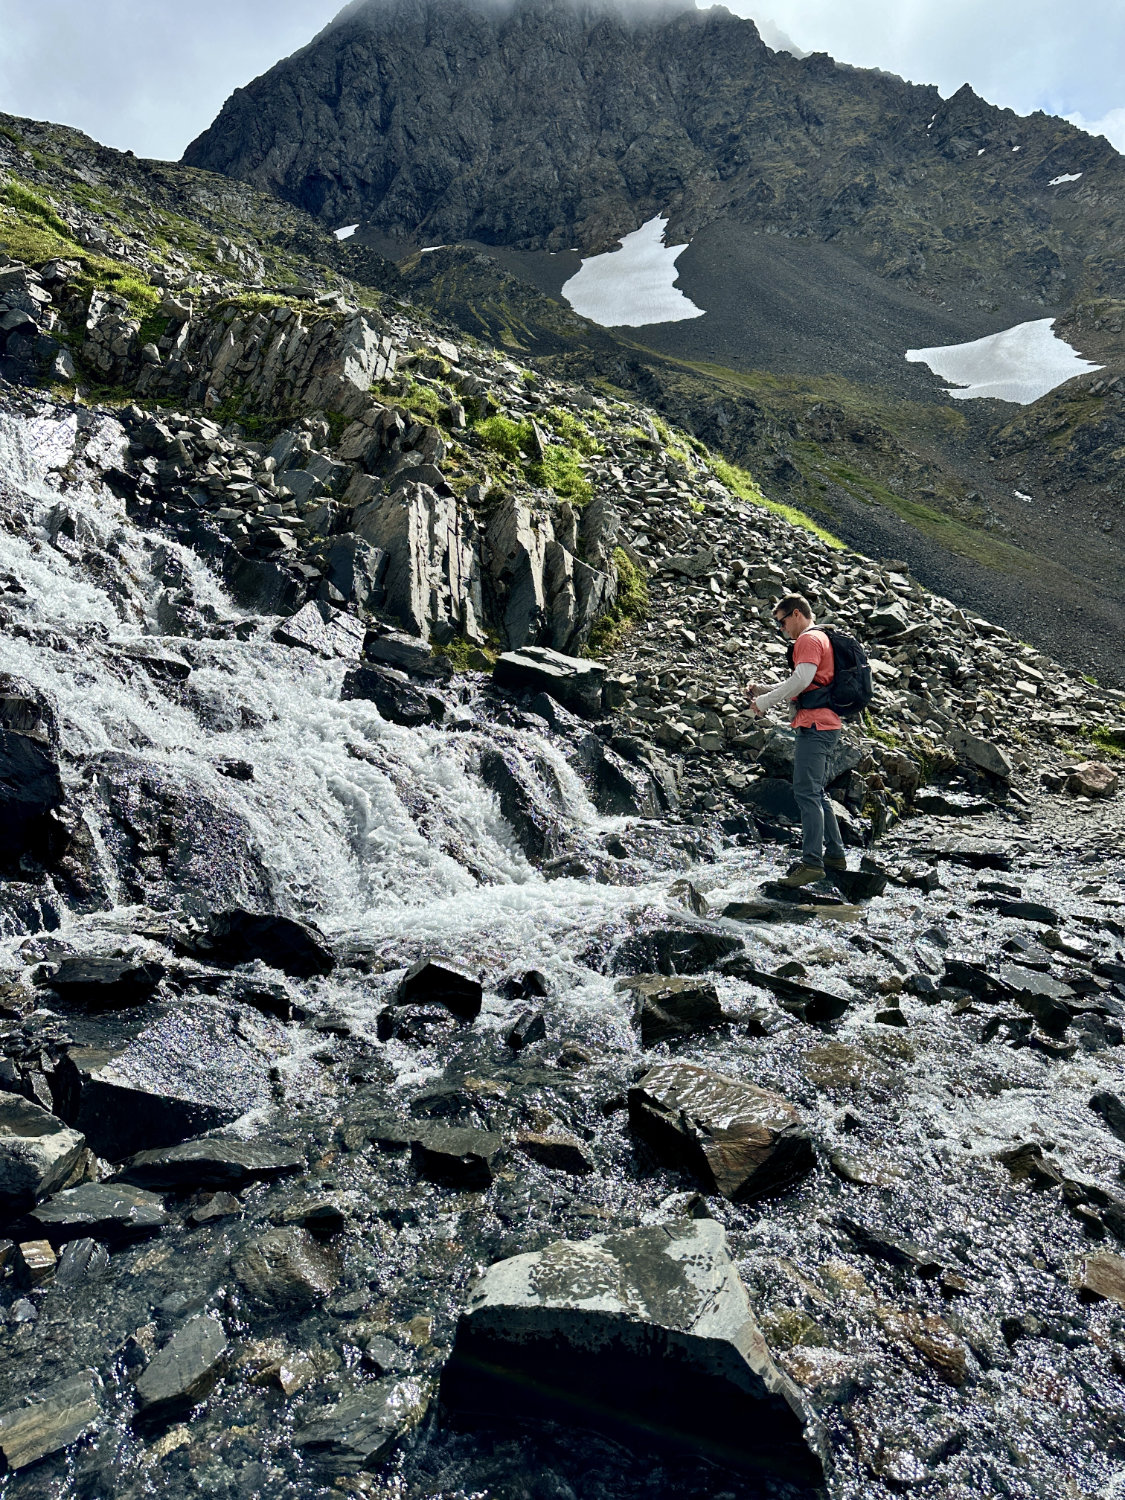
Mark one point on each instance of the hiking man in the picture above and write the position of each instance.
(818, 733)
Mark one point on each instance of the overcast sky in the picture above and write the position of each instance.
(149, 75)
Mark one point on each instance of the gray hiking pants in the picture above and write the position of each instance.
(814, 749)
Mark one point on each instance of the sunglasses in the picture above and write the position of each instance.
(781, 619)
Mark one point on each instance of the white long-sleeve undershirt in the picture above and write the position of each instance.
(800, 682)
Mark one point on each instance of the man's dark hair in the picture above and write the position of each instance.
(793, 602)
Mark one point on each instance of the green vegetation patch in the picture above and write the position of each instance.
(630, 607)
(560, 469)
(744, 486)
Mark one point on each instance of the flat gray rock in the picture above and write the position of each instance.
(51, 1418)
(184, 1371)
(37, 1153)
(210, 1163)
(100, 1211)
(649, 1335)
(359, 1431)
(737, 1139)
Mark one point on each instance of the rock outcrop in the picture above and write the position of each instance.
(649, 1332)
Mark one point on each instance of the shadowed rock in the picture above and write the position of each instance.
(30, 791)
(183, 1372)
(37, 1153)
(667, 1008)
(575, 683)
(459, 1157)
(210, 1163)
(647, 1335)
(673, 950)
(100, 1211)
(739, 1140)
(240, 937)
(102, 983)
(396, 698)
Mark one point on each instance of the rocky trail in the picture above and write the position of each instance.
(414, 1080)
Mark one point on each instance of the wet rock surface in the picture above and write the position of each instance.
(348, 1000)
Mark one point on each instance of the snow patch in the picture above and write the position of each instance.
(633, 286)
(429, 249)
(1021, 364)
(1065, 177)
(345, 233)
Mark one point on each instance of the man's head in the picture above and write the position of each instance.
(793, 614)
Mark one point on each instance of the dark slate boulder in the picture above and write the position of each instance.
(647, 1335)
(49, 1418)
(529, 1026)
(241, 937)
(618, 788)
(673, 950)
(667, 1008)
(440, 981)
(523, 806)
(79, 1260)
(356, 570)
(558, 1153)
(323, 630)
(112, 1212)
(575, 683)
(359, 1431)
(394, 695)
(811, 1004)
(285, 1270)
(393, 648)
(737, 1139)
(190, 1071)
(30, 791)
(210, 1163)
(1112, 1111)
(457, 1156)
(102, 983)
(183, 1372)
(37, 1153)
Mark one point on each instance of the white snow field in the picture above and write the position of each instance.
(345, 233)
(1065, 177)
(1021, 364)
(632, 286)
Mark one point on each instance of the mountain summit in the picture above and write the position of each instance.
(547, 125)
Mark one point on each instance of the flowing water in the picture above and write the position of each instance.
(386, 838)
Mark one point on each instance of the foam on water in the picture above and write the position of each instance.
(1021, 364)
(633, 286)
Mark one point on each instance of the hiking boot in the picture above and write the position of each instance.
(802, 873)
(835, 864)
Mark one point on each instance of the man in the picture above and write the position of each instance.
(818, 733)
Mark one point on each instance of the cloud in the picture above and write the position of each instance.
(1111, 125)
(1022, 54)
(143, 75)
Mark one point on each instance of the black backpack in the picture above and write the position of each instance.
(851, 688)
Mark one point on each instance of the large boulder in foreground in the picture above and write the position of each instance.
(37, 1153)
(576, 684)
(647, 1335)
(737, 1139)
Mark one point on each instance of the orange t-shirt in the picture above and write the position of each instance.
(813, 645)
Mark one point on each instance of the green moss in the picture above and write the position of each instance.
(1110, 740)
(884, 736)
(30, 205)
(560, 470)
(740, 483)
(463, 656)
(505, 437)
(630, 607)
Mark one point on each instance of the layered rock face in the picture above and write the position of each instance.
(547, 126)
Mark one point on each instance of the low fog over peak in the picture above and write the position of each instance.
(152, 87)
